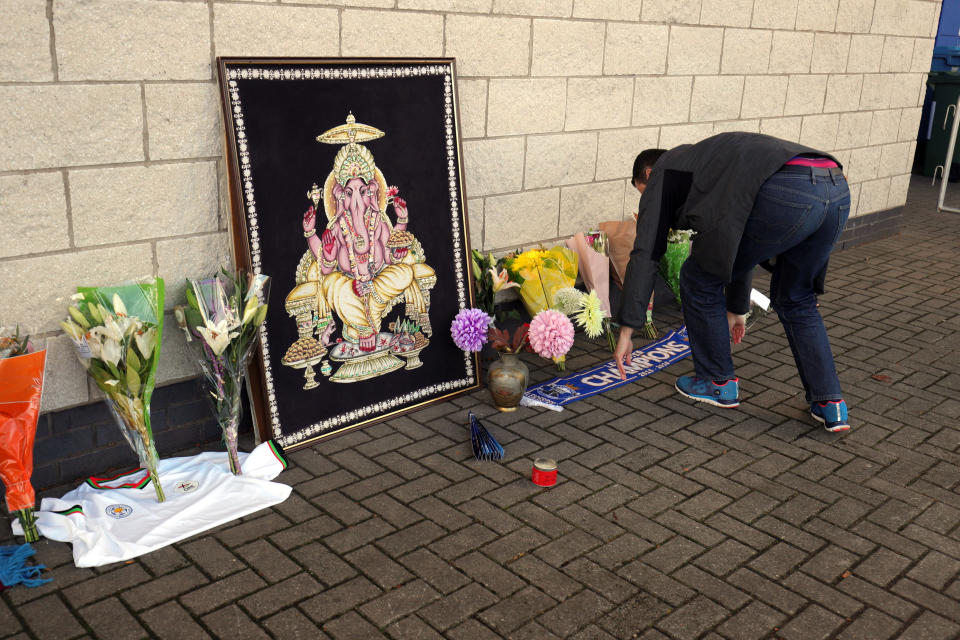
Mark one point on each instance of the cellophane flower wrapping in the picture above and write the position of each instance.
(21, 387)
(678, 250)
(117, 332)
(222, 320)
(594, 263)
(540, 274)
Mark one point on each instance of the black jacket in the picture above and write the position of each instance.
(709, 187)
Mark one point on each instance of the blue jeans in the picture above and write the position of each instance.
(796, 218)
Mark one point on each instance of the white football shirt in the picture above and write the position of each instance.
(118, 518)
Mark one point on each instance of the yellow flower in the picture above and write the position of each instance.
(529, 260)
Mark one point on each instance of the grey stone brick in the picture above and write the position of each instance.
(656, 583)
(463, 541)
(670, 555)
(488, 573)
(778, 561)
(715, 589)
(604, 582)
(172, 621)
(514, 611)
(399, 602)
(48, 617)
(877, 598)
(268, 561)
(753, 622)
(225, 590)
(935, 570)
(692, 619)
(537, 572)
(826, 596)
(232, 622)
(871, 625)
(725, 557)
(340, 599)
(281, 595)
(163, 588)
(571, 614)
(766, 591)
(813, 623)
(541, 519)
(291, 623)
(930, 626)
(568, 546)
(116, 580)
(457, 607)
(109, 618)
(434, 570)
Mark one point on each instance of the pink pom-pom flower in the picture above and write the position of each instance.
(551, 334)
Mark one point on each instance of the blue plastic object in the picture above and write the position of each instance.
(485, 446)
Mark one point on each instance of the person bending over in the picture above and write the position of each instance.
(751, 199)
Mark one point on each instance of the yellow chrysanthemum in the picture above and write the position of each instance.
(591, 315)
(529, 260)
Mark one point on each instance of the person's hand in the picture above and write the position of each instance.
(622, 354)
(327, 239)
(737, 325)
(309, 220)
(399, 253)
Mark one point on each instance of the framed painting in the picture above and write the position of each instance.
(347, 190)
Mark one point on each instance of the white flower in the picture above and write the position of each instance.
(105, 344)
(118, 307)
(218, 336)
(146, 341)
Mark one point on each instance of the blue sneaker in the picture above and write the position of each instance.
(724, 395)
(831, 414)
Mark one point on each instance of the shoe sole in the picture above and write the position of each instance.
(839, 427)
(706, 400)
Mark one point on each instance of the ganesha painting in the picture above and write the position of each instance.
(361, 300)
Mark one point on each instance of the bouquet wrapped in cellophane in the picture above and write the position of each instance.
(540, 274)
(678, 250)
(222, 319)
(21, 386)
(117, 331)
(593, 250)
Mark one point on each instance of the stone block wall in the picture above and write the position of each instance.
(112, 167)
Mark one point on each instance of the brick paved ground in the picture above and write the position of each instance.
(672, 521)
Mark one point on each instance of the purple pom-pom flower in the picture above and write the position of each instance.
(469, 329)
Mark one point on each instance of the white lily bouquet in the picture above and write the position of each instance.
(116, 331)
(222, 319)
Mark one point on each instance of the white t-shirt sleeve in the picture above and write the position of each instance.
(266, 461)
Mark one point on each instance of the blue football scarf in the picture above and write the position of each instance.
(644, 361)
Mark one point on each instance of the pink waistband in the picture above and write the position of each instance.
(811, 162)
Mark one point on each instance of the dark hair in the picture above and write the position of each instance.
(647, 158)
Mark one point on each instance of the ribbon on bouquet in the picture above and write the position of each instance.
(644, 361)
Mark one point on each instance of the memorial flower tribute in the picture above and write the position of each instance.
(116, 331)
(21, 386)
(222, 320)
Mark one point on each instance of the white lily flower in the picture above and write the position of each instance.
(218, 336)
(111, 330)
(118, 307)
(501, 280)
(94, 343)
(146, 341)
(111, 351)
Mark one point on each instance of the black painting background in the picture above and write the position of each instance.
(282, 119)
